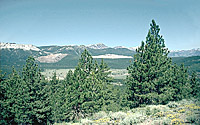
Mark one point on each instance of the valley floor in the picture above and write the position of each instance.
(61, 73)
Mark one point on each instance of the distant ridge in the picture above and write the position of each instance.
(99, 46)
(185, 53)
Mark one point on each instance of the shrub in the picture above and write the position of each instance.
(177, 121)
(181, 111)
(99, 115)
(133, 119)
(162, 121)
(192, 118)
(118, 115)
(148, 111)
(159, 114)
(172, 105)
(156, 110)
(86, 121)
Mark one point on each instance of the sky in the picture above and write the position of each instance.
(112, 22)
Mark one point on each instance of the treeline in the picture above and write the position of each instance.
(26, 97)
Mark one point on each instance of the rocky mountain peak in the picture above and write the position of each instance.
(98, 46)
(18, 46)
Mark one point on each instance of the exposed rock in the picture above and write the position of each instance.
(52, 58)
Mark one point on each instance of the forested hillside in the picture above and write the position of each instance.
(17, 58)
(26, 97)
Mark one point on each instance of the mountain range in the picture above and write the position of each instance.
(67, 56)
(99, 46)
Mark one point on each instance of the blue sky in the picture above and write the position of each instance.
(112, 22)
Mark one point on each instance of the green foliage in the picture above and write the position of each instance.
(186, 112)
(192, 63)
(17, 57)
(172, 105)
(36, 101)
(14, 57)
(193, 118)
(152, 77)
(87, 90)
(57, 99)
(8, 90)
(25, 99)
(195, 85)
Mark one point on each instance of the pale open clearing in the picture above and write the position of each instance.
(111, 56)
(52, 58)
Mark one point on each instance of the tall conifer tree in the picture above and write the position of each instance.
(86, 86)
(150, 77)
(37, 106)
(57, 99)
(12, 95)
(195, 85)
(2, 99)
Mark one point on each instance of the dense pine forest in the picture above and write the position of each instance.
(28, 98)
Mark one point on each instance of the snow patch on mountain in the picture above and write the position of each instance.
(194, 49)
(133, 48)
(97, 46)
(18, 46)
(119, 47)
(184, 53)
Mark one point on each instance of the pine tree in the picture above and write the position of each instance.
(13, 99)
(75, 91)
(86, 87)
(69, 79)
(57, 99)
(195, 85)
(61, 102)
(92, 95)
(183, 88)
(9, 89)
(151, 79)
(103, 72)
(74, 100)
(2, 99)
(36, 101)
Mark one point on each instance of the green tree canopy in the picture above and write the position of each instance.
(150, 78)
(86, 87)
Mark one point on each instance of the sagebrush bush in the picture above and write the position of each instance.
(118, 115)
(163, 121)
(172, 105)
(148, 111)
(193, 118)
(86, 121)
(99, 115)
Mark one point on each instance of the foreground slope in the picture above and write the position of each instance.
(182, 112)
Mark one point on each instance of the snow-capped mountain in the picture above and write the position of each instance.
(109, 50)
(185, 53)
(97, 46)
(118, 47)
(18, 46)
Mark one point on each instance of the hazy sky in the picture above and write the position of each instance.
(112, 22)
